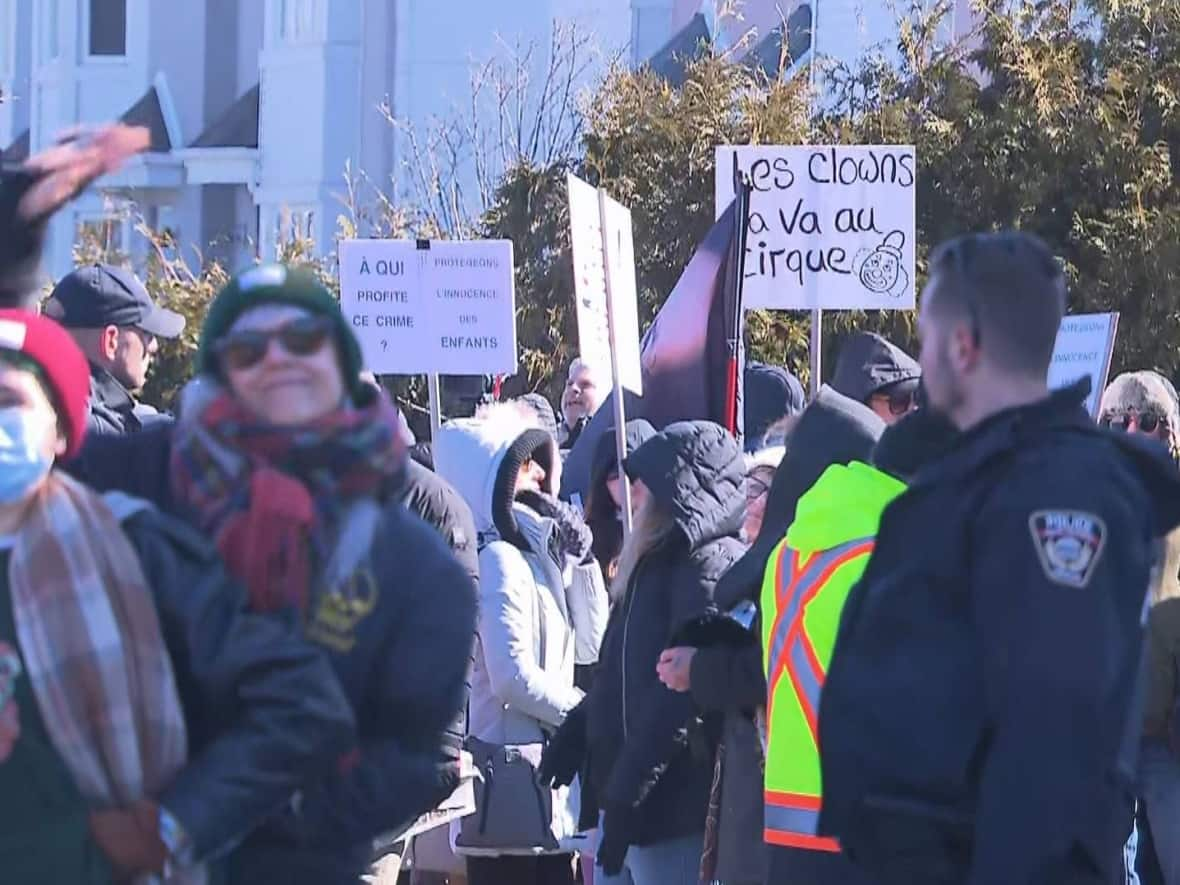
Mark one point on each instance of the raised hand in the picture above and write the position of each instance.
(64, 170)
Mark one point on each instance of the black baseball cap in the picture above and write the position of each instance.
(100, 295)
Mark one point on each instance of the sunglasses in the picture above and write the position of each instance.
(1147, 422)
(901, 402)
(301, 337)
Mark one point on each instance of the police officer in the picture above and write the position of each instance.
(979, 717)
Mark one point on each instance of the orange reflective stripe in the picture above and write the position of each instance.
(797, 840)
(782, 647)
(780, 593)
(793, 820)
(792, 800)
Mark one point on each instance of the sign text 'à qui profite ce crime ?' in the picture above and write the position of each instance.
(448, 308)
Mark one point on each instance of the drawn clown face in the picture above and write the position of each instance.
(880, 270)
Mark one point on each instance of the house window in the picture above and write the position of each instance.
(108, 27)
(104, 235)
(297, 19)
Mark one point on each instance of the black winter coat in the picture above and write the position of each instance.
(435, 501)
(399, 638)
(1001, 610)
(638, 731)
(249, 687)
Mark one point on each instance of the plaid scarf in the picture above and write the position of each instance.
(87, 628)
(272, 497)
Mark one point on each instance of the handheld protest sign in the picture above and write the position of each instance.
(431, 307)
(1084, 348)
(831, 227)
(606, 302)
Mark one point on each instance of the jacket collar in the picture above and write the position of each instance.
(1063, 409)
(1009, 429)
(108, 392)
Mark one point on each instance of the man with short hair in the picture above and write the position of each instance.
(981, 714)
(878, 373)
(583, 395)
(110, 315)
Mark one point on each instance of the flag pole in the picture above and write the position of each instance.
(741, 190)
(817, 315)
(435, 394)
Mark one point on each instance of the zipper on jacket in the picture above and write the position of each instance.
(626, 625)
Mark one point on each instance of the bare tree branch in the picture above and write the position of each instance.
(449, 167)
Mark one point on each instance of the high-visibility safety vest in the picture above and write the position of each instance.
(808, 578)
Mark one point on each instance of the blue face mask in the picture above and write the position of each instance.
(22, 464)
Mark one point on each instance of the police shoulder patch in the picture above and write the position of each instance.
(1069, 544)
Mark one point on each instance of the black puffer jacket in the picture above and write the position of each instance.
(638, 730)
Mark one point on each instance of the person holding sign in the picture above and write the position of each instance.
(581, 399)
(1001, 610)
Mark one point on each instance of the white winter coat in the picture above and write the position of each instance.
(537, 617)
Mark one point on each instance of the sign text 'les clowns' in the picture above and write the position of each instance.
(831, 227)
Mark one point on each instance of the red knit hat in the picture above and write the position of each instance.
(46, 344)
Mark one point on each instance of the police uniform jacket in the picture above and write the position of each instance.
(976, 723)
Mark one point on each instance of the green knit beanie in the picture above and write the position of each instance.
(276, 284)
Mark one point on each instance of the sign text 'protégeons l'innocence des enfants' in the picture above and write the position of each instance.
(444, 307)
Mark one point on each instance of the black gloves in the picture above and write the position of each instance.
(616, 838)
(573, 534)
(563, 757)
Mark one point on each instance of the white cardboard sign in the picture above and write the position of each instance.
(593, 310)
(443, 307)
(1085, 344)
(831, 227)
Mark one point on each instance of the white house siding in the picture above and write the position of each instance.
(324, 68)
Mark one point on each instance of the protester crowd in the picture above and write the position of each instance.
(923, 627)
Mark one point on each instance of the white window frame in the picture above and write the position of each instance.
(118, 212)
(297, 21)
(84, 37)
(118, 225)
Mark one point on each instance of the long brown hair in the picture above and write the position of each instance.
(650, 528)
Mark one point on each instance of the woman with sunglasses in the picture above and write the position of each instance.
(294, 466)
(1145, 404)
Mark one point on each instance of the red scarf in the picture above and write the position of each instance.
(272, 496)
